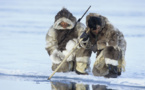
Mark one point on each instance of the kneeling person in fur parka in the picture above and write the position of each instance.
(79, 60)
(110, 45)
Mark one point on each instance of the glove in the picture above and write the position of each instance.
(71, 57)
(69, 46)
(71, 43)
(85, 36)
(57, 56)
(85, 40)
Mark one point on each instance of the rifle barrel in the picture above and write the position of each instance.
(85, 12)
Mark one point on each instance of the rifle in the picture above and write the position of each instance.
(67, 33)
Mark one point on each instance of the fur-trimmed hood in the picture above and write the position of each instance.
(108, 36)
(103, 19)
(66, 16)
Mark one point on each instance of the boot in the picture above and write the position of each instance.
(113, 71)
(80, 68)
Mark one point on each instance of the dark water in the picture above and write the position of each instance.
(63, 83)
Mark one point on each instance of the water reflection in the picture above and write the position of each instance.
(63, 85)
(99, 87)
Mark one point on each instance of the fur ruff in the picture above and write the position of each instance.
(103, 19)
(57, 26)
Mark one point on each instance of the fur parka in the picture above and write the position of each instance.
(54, 36)
(108, 36)
(110, 46)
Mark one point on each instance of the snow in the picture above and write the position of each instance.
(24, 61)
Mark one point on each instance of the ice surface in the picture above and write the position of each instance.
(23, 26)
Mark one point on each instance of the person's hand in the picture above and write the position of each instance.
(57, 56)
(71, 57)
(85, 36)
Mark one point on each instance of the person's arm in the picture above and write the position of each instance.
(52, 47)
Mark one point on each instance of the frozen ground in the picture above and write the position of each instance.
(24, 63)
